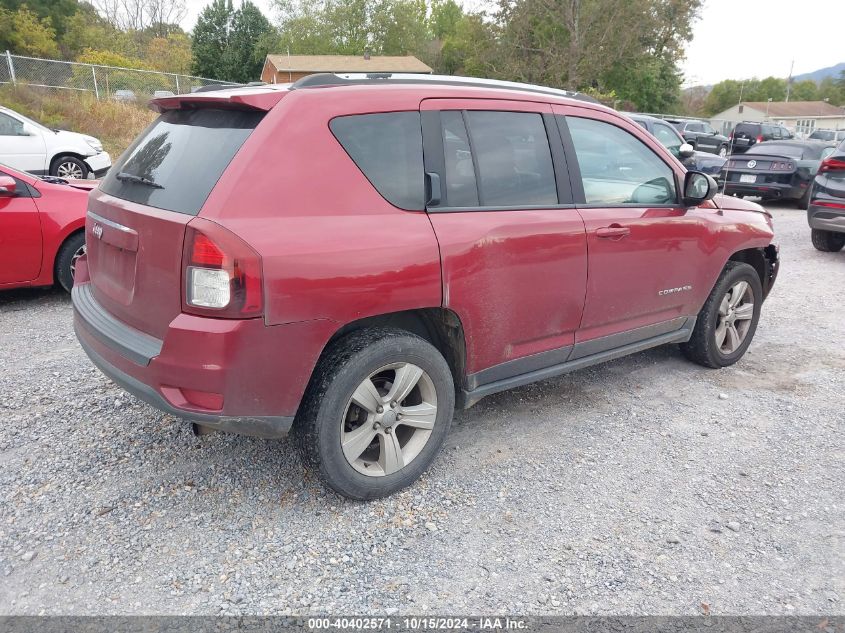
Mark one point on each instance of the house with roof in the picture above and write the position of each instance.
(802, 117)
(279, 69)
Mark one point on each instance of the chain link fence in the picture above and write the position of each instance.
(104, 82)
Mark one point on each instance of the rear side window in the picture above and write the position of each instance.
(176, 162)
(617, 168)
(461, 189)
(513, 158)
(387, 148)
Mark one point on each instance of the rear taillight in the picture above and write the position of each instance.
(832, 164)
(731, 136)
(221, 272)
(759, 139)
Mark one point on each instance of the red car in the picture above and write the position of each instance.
(42, 222)
(355, 256)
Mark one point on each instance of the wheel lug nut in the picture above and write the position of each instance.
(380, 409)
(387, 430)
(398, 416)
(393, 405)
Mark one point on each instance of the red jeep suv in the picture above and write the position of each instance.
(352, 257)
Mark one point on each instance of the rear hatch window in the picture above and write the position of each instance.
(176, 162)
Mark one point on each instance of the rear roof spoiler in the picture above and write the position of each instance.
(239, 97)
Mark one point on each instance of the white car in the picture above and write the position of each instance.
(29, 146)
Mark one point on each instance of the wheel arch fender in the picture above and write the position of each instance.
(764, 260)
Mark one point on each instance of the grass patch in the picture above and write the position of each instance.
(116, 124)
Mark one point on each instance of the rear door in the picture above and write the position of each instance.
(20, 236)
(647, 252)
(513, 247)
(136, 220)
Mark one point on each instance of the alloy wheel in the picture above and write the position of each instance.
(389, 419)
(79, 253)
(734, 319)
(69, 169)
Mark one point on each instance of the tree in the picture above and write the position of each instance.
(243, 59)
(445, 16)
(806, 90)
(24, 33)
(211, 38)
(170, 54)
(142, 15)
(57, 11)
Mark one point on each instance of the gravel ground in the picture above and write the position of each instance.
(644, 486)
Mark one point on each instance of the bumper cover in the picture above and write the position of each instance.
(826, 218)
(99, 163)
(135, 361)
(765, 190)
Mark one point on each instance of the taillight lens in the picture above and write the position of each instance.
(222, 273)
(832, 164)
(759, 139)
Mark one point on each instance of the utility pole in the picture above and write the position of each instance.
(789, 80)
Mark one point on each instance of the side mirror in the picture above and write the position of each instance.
(7, 186)
(698, 187)
(29, 130)
(686, 150)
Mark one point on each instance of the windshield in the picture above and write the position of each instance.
(176, 162)
(824, 135)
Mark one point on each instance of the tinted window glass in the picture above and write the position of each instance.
(695, 127)
(513, 157)
(618, 168)
(461, 190)
(747, 129)
(181, 156)
(388, 149)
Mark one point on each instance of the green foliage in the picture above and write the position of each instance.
(56, 11)
(648, 84)
(726, 94)
(445, 16)
(230, 44)
(23, 32)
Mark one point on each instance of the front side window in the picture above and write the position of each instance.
(513, 158)
(387, 148)
(10, 126)
(617, 168)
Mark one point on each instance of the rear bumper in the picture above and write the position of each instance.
(254, 374)
(826, 218)
(765, 190)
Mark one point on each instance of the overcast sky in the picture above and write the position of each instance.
(734, 39)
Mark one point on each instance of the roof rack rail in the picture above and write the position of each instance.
(362, 79)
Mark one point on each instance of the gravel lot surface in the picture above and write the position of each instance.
(644, 486)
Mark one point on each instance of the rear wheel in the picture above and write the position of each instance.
(728, 320)
(377, 412)
(69, 167)
(827, 241)
(69, 253)
(804, 201)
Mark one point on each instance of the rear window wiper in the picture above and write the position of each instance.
(141, 180)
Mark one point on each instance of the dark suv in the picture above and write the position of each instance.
(702, 136)
(826, 213)
(353, 257)
(748, 134)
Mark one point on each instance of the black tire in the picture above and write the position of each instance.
(804, 201)
(69, 162)
(702, 347)
(65, 259)
(348, 362)
(827, 241)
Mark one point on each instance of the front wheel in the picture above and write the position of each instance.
(827, 241)
(69, 167)
(376, 413)
(728, 320)
(69, 254)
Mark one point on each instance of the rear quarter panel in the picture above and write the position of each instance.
(331, 246)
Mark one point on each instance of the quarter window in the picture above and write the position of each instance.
(617, 168)
(388, 149)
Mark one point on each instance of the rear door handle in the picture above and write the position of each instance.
(613, 232)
